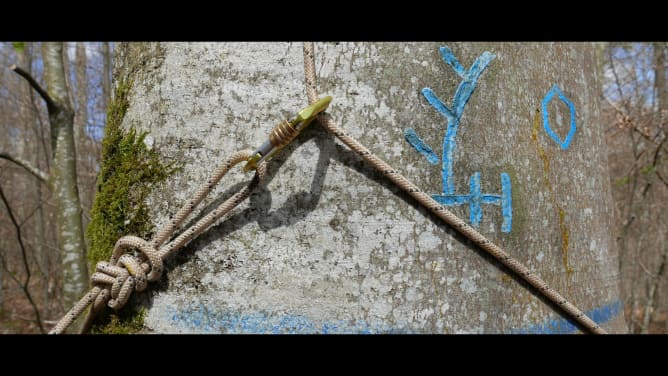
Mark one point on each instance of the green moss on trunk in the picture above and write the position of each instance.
(128, 172)
(125, 322)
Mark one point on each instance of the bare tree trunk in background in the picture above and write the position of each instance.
(39, 159)
(25, 192)
(64, 177)
(25, 125)
(634, 111)
(84, 149)
(36, 226)
(4, 235)
(81, 113)
(327, 244)
(652, 291)
(661, 98)
(2, 288)
(49, 260)
(47, 144)
(660, 87)
(106, 72)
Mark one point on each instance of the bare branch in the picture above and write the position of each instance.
(26, 284)
(39, 174)
(35, 85)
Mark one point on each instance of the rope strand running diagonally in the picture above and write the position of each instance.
(438, 209)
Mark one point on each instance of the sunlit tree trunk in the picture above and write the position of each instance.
(85, 167)
(327, 244)
(64, 177)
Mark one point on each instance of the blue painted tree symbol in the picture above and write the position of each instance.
(453, 115)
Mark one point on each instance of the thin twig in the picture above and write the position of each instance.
(25, 285)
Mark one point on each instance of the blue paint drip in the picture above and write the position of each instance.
(600, 315)
(199, 318)
(546, 119)
(453, 116)
(419, 145)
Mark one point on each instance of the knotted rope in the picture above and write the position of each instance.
(114, 281)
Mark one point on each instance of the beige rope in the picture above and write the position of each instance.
(114, 281)
(436, 208)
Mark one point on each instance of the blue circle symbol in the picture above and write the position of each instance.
(546, 119)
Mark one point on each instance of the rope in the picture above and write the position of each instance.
(436, 208)
(114, 281)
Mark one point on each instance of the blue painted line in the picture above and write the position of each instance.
(420, 146)
(438, 104)
(490, 199)
(600, 315)
(199, 318)
(449, 57)
(546, 118)
(451, 200)
(506, 203)
(449, 146)
(475, 211)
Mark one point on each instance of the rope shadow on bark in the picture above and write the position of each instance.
(298, 206)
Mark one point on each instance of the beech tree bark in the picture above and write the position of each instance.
(64, 176)
(327, 244)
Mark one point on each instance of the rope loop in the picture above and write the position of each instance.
(125, 273)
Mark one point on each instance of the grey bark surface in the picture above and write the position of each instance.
(64, 177)
(327, 244)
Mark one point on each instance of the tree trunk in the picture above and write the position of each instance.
(36, 226)
(64, 177)
(327, 244)
(84, 168)
(106, 73)
(660, 87)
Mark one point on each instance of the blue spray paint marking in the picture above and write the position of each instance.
(546, 118)
(506, 203)
(420, 146)
(462, 95)
(600, 315)
(199, 318)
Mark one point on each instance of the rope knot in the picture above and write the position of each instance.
(125, 273)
